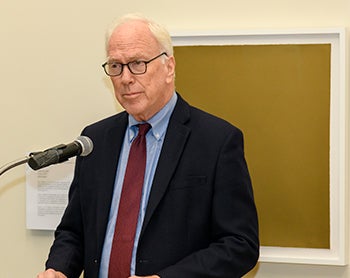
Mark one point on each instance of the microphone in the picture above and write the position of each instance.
(81, 146)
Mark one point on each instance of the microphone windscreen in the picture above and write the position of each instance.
(86, 145)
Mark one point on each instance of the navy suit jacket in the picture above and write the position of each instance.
(201, 219)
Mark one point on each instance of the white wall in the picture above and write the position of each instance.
(52, 85)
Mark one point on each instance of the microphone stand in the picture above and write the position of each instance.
(13, 164)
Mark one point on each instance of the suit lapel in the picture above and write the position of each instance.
(107, 169)
(174, 143)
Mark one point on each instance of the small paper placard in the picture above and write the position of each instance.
(47, 194)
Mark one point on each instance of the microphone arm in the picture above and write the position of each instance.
(81, 146)
(13, 164)
(34, 160)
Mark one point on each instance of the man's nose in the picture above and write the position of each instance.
(126, 75)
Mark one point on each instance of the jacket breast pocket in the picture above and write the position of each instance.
(188, 182)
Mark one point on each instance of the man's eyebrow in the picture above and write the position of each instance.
(135, 57)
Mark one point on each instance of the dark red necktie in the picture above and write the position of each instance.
(129, 206)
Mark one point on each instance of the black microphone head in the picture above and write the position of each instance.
(86, 145)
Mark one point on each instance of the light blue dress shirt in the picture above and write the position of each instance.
(155, 139)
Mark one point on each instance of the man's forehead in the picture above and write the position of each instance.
(135, 40)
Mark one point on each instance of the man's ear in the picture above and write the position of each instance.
(171, 66)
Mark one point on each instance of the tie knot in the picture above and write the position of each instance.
(144, 128)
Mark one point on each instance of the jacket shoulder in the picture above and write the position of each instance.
(203, 119)
(107, 123)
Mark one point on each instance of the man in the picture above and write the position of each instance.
(196, 216)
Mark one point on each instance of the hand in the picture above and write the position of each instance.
(51, 273)
(153, 276)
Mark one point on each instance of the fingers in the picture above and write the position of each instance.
(51, 273)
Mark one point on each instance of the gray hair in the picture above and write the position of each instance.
(160, 32)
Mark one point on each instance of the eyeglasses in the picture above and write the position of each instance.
(135, 67)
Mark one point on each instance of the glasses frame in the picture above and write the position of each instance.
(128, 65)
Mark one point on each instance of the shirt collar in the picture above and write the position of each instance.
(159, 121)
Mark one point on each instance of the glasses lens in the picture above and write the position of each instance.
(113, 68)
(137, 67)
